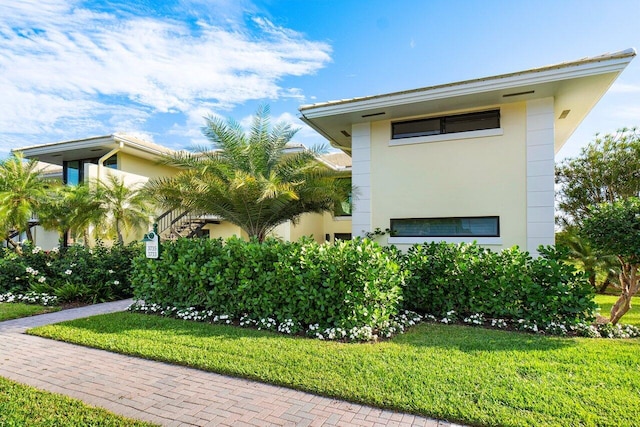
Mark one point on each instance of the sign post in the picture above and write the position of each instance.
(152, 243)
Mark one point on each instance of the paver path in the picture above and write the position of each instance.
(167, 394)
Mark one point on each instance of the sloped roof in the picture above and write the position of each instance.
(575, 86)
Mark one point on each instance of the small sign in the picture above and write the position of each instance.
(152, 245)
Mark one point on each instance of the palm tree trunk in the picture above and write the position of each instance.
(29, 234)
(119, 232)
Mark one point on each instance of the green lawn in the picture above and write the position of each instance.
(21, 405)
(459, 373)
(632, 317)
(15, 310)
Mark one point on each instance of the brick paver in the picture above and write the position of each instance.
(167, 394)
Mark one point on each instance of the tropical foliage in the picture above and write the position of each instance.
(22, 192)
(601, 268)
(127, 207)
(251, 179)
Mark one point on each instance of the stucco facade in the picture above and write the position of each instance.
(500, 176)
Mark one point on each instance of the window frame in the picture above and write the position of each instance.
(445, 236)
(443, 125)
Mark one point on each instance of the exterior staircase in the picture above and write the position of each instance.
(176, 223)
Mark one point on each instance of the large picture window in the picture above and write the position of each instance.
(446, 124)
(485, 226)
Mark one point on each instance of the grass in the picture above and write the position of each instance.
(21, 405)
(632, 317)
(16, 310)
(459, 373)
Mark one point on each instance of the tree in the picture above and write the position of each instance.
(22, 191)
(73, 209)
(607, 170)
(127, 207)
(249, 178)
(615, 228)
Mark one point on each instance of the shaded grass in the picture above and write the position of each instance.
(16, 310)
(21, 405)
(459, 373)
(632, 317)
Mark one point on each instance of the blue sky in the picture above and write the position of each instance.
(74, 69)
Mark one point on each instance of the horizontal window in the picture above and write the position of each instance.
(485, 226)
(446, 124)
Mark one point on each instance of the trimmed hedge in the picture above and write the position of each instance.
(468, 279)
(346, 285)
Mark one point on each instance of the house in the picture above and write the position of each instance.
(458, 162)
(136, 161)
(466, 161)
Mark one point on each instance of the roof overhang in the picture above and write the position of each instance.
(91, 148)
(575, 86)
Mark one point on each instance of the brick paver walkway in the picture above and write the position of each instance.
(167, 394)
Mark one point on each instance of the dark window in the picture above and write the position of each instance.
(485, 226)
(72, 173)
(446, 124)
(112, 162)
(342, 236)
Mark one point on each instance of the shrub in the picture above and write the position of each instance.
(74, 274)
(467, 280)
(346, 285)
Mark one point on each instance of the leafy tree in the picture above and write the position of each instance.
(615, 228)
(73, 209)
(607, 169)
(248, 178)
(22, 191)
(127, 207)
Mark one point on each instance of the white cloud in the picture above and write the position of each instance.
(63, 64)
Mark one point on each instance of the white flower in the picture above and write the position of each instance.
(68, 272)
(41, 279)
(111, 271)
(116, 282)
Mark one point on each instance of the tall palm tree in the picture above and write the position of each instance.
(127, 207)
(22, 191)
(248, 178)
(73, 209)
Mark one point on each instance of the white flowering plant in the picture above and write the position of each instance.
(74, 274)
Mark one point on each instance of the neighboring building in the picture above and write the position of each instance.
(465, 161)
(136, 161)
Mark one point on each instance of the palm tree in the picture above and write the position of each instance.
(22, 191)
(248, 178)
(588, 258)
(73, 209)
(127, 207)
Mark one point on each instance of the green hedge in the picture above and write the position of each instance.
(73, 274)
(346, 285)
(467, 279)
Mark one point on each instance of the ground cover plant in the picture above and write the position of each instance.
(10, 311)
(471, 375)
(21, 405)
